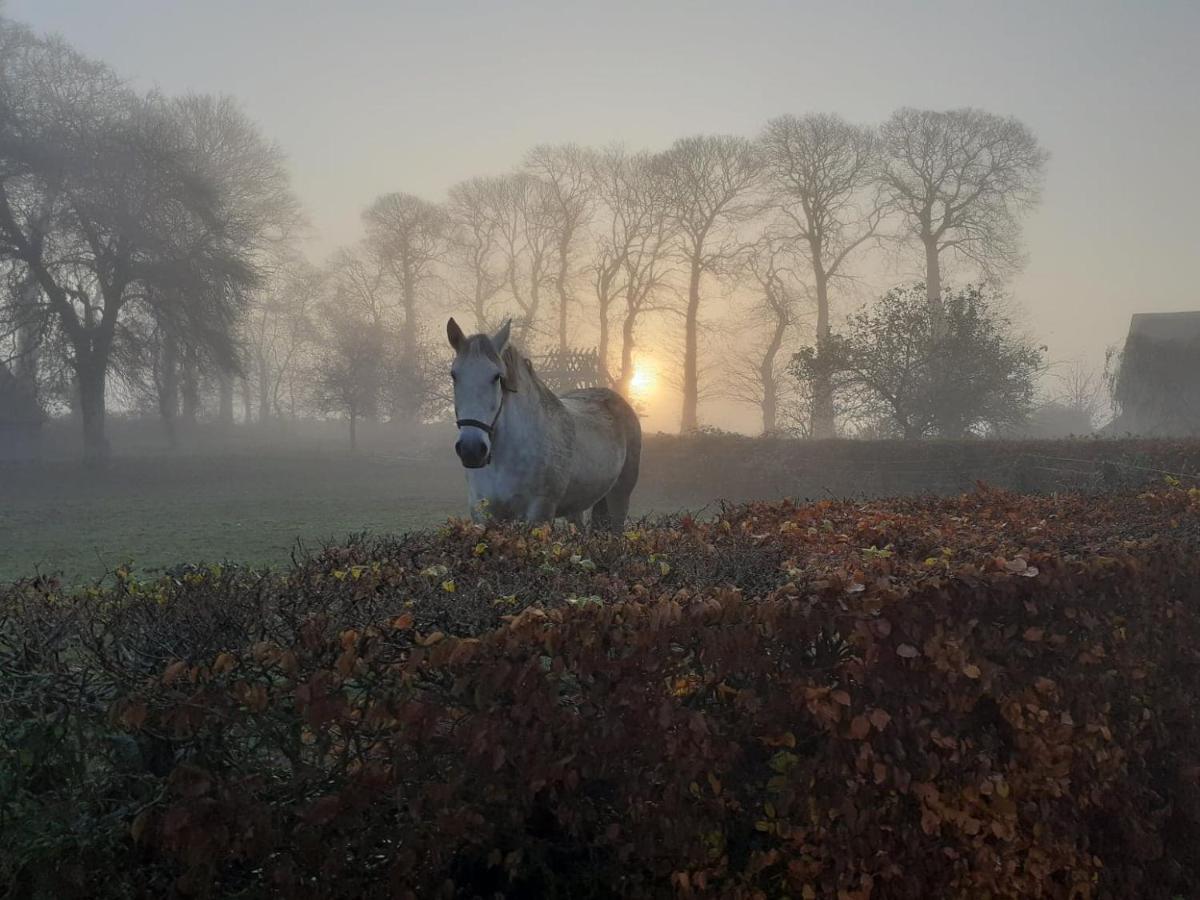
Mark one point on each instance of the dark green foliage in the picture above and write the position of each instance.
(965, 372)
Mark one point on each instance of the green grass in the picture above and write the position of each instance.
(157, 511)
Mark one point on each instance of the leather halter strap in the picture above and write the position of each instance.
(489, 428)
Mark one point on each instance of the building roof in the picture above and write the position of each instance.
(1173, 327)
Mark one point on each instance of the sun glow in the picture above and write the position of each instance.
(642, 381)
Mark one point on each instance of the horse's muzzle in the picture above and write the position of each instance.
(475, 454)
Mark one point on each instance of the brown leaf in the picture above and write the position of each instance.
(907, 651)
(133, 716)
(879, 718)
(972, 671)
(324, 810)
(860, 727)
(173, 672)
(137, 827)
(191, 780)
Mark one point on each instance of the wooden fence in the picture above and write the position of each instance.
(570, 370)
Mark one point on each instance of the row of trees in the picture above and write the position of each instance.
(603, 240)
(133, 229)
(150, 242)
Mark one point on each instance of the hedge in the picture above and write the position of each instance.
(990, 695)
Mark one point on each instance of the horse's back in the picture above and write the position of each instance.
(607, 445)
(605, 411)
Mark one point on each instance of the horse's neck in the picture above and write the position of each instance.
(531, 415)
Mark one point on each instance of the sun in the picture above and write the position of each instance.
(642, 380)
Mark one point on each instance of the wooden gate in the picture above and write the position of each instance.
(570, 370)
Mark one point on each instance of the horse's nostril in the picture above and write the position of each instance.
(458, 447)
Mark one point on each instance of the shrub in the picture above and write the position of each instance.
(988, 695)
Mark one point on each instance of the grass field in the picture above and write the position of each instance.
(251, 497)
(161, 510)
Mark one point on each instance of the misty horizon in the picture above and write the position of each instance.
(416, 98)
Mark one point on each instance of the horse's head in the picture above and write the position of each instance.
(481, 378)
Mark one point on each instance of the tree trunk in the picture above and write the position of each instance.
(247, 400)
(766, 372)
(602, 348)
(535, 298)
(821, 422)
(91, 371)
(26, 366)
(264, 389)
(627, 353)
(933, 285)
(189, 388)
(480, 317)
(168, 389)
(560, 283)
(225, 407)
(770, 406)
(691, 371)
(409, 346)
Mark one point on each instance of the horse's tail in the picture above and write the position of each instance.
(612, 509)
(633, 447)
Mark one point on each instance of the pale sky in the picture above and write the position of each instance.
(380, 95)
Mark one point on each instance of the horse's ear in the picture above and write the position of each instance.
(454, 334)
(500, 338)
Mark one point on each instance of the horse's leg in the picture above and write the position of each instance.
(617, 503)
(539, 511)
(600, 515)
(576, 519)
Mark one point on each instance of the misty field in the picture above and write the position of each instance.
(256, 503)
(158, 511)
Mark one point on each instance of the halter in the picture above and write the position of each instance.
(486, 428)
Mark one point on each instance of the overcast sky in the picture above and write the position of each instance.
(380, 95)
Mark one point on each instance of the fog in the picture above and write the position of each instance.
(237, 229)
(375, 97)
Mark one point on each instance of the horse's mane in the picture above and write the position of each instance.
(524, 377)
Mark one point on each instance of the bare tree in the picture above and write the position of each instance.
(474, 246)
(260, 214)
(138, 214)
(281, 330)
(524, 218)
(1081, 390)
(820, 171)
(776, 310)
(708, 184)
(408, 236)
(564, 172)
(351, 368)
(632, 264)
(960, 180)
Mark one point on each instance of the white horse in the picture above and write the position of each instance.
(530, 454)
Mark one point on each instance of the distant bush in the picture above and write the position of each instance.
(959, 369)
(990, 695)
(676, 470)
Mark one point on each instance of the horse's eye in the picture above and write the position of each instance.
(454, 376)
(495, 378)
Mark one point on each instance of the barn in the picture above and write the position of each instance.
(20, 420)
(1157, 385)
